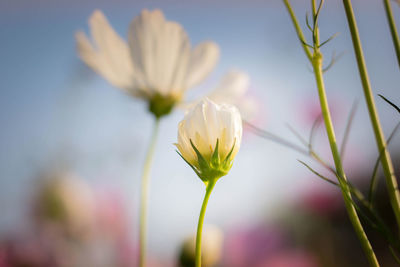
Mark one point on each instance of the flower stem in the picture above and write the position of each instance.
(316, 60)
(386, 161)
(145, 195)
(351, 211)
(298, 29)
(393, 29)
(209, 189)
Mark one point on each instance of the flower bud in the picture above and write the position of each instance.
(212, 246)
(209, 137)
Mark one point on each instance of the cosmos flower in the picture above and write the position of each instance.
(232, 89)
(157, 63)
(209, 137)
(68, 202)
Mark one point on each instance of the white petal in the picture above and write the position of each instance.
(184, 146)
(160, 49)
(231, 88)
(213, 124)
(108, 55)
(207, 122)
(202, 61)
(232, 123)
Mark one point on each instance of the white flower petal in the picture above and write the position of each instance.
(160, 49)
(184, 146)
(231, 88)
(108, 55)
(204, 124)
(202, 61)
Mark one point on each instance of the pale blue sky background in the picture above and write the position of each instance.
(56, 112)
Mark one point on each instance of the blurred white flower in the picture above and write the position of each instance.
(67, 201)
(209, 137)
(157, 64)
(233, 89)
(212, 245)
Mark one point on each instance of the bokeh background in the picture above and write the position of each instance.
(59, 119)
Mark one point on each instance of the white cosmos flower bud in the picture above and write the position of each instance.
(209, 137)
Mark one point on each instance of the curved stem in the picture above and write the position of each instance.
(386, 160)
(209, 189)
(145, 195)
(351, 210)
(393, 29)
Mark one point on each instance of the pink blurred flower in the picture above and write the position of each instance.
(250, 246)
(289, 258)
(310, 109)
(322, 201)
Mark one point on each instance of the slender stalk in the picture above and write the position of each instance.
(209, 189)
(393, 29)
(314, 12)
(298, 29)
(351, 211)
(145, 194)
(316, 60)
(386, 161)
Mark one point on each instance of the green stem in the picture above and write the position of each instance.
(209, 189)
(351, 211)
(316, 61)
(314, 12)
(298, 29)
(386, 161)
(145, 195)
(393, 29)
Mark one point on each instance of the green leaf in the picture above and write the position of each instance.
(374, 181)
(274, 138)
(334, 59)
(329, 39)
(348, 127)
(318, 174)
(390, 103)
(308, 23)
(317, 122)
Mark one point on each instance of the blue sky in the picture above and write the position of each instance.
(56, 112)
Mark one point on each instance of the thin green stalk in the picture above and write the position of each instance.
(386, 161)
(314, 12)
(393, 29)
(145, 195)
(351, 211)
(298, 29)
(316, 61)
(209, 189)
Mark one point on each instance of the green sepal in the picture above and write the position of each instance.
(213, 168)
(227, 161)
(191, 166)
(202, 162)
(161, 105)
(215, 159)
